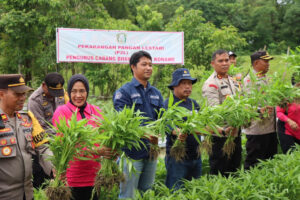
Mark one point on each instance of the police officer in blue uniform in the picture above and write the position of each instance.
(148, 100)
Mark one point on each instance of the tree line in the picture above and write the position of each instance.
(28, 46)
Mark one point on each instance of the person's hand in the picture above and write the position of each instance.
(180, 136)
(267, 109)
(53, 171)
(153, 140)
(107, 152)
(232, 131)
(293, 124)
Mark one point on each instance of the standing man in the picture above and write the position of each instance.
(42, 103)
(216, 88)
(20, 136)
(237, 76)
(261, 134)
(232, 58)
(190, 166)
(148, 100)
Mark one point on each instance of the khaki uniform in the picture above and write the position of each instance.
(21, 137)
(43, 107)
(264, 125)
(216, 89)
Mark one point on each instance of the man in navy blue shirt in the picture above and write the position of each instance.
(190, 166)
(148, 100)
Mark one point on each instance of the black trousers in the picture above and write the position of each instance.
(219, 162)
(260, 147)
(39, 176)
(287, 142)
(82, 193)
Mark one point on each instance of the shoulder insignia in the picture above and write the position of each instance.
(213, 85)
(4, 117)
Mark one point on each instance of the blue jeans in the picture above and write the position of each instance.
(177, 171)
(142, 179)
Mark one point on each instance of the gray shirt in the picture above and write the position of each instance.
(43, 107)
(16, 149)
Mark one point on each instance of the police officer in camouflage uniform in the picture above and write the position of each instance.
(216, 88)
(21, 136)
(42, 103)
(261, 134)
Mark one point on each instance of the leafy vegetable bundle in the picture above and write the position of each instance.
(67, 145)
(121, 130)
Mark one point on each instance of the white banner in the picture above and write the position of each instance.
(112, 46)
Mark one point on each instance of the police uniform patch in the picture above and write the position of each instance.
(4, 117)
(3, 142)
(118, 95)
(26, 124)
(135, 95)
(154, 97)
(213, 85)
(6, 151)
(13, 140)
(5, 130)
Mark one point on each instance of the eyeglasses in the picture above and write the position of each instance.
(81, 92)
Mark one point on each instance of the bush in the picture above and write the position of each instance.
(272, 179)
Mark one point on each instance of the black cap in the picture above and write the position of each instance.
(260, 55)
(15, 82)
(231, 53)
(55, 83)
(180, 74)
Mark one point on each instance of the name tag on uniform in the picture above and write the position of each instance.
(154, 97)
(135, 95)
(224, 86)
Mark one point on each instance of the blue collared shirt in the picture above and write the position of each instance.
(148, 100)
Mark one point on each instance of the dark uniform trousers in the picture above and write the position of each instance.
(260, 147)
(223, 164)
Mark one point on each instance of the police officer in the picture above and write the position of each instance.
(20, 136)
(42, 103)
(261, 134)
(190, 166)
(237, 76)
(148, 100)
(216, 88)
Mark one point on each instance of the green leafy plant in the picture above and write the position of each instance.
(121, 130)
(66, 146)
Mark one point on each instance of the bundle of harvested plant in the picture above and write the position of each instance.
(66, 145)
(167, 121)
(122, 130)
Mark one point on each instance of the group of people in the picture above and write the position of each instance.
(21, 136)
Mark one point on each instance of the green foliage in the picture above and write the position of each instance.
(272, 179)
(72, 134)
